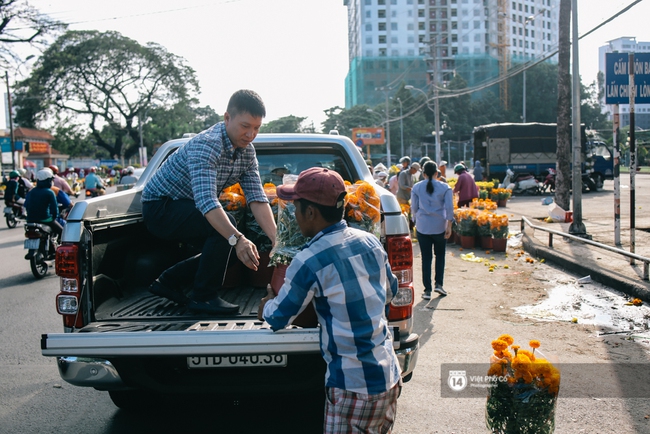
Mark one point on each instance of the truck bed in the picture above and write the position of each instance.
(140, 310)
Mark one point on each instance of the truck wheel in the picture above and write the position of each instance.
(38, 266)
(597, 183)
(11, 221)
(132, 400)
(592, 185)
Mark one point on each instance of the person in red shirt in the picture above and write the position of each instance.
(465, 186)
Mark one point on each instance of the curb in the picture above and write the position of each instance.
(613, 280)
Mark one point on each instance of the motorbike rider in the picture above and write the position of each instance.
(60, 182)
(129, 177)
(12, 193)
(41, 202)
(94, 182)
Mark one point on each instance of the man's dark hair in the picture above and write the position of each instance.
(331, 214)
(246, 101)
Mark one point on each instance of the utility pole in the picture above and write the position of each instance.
(577, 226)
(436, 107)
(401, 127)
(11, 124)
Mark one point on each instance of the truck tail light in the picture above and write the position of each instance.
(67, 268)
(400, 256)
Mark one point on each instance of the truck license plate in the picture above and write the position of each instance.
(242, 361)
(32, 244)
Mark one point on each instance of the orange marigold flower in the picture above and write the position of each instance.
(534, 343)
(508, 339)
(499, 345)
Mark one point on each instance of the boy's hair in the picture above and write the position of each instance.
(246, 101)
(331, 214)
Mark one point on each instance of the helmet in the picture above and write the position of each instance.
(14, 174)
(406, 158)
(54, 169)
(130, 170)
(459, 168)
(44, 174)
(424, 160)
(22, 172)
(92, 170)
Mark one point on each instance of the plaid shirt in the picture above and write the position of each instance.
(203, 167)
(346, 273)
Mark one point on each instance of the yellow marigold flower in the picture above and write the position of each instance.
(507, 339)
(496, 369)
(534, 343)
(521, 361)
(526, 353)
(499, 345)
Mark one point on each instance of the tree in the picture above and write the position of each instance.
(563, 178)
(104, 81)
(541, 94)
(22, 24)
(287, 124)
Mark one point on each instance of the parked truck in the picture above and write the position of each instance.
(531, 148)
(120, 338)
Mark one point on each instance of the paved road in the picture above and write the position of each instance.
(455, 329)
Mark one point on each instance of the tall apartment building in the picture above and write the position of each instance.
(391, 41)
(626, 45)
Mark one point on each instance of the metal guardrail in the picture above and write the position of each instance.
(646, 261)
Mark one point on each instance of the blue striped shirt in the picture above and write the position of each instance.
(345, 272)
(203, 167)
(432, 211)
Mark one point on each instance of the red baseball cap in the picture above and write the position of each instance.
(318, 185)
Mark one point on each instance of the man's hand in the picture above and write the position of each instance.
(269, 295)
(247, 253)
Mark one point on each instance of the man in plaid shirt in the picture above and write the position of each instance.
(181, 202)
(345, 273)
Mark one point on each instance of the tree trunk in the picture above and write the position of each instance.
(563, 177)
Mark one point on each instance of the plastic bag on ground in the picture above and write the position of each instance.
(556, 213)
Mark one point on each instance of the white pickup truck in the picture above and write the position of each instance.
(121, 339)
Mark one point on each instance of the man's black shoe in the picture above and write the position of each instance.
(178, 297)
(216, 306)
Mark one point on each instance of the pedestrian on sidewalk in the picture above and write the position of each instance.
(432, 210)
(465, 186)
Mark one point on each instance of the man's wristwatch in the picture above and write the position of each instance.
(232, 240)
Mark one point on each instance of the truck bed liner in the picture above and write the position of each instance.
(143, 311)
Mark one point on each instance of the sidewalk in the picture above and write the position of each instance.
(608, 268)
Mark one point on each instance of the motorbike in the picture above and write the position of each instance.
(522, 183)
(13, 214)
(93, 192)
(41, 244)
(549, 181)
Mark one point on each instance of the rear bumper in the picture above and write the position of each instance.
(90, 372)
(103, 375)
(407, 354)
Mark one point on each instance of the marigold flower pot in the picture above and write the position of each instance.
(501, 203)
(499, 244)
(307, 317)
(467, 241)
(486, 242)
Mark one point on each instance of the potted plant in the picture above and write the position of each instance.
(499, 228)
(522, 396)
(467, 227)
(483, 229)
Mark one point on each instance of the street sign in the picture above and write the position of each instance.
(6, 144)
(617, 78)
(370, 136)
(108, 163)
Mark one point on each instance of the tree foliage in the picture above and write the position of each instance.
(22, 24)
(104, 82)
(287, 124)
